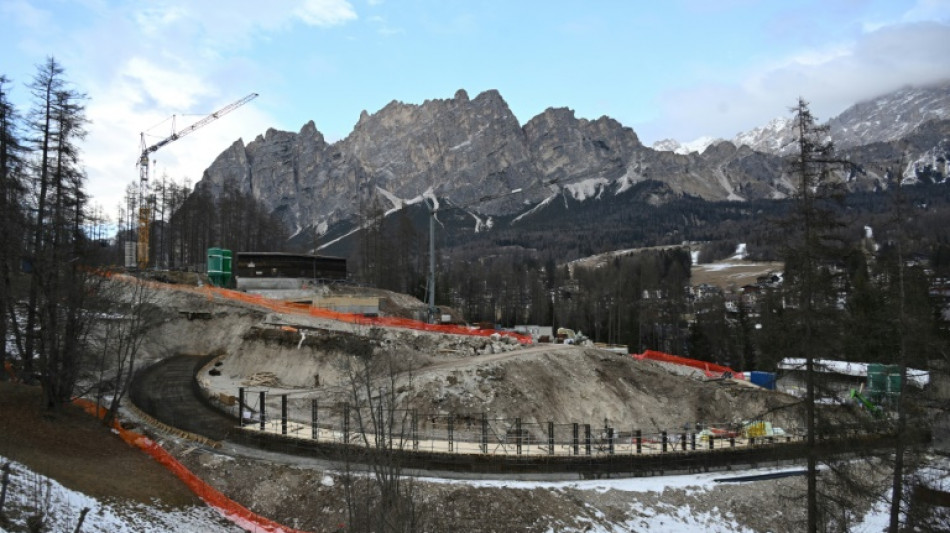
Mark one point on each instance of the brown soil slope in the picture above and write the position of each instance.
(78, 451)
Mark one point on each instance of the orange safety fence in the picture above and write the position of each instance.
(710, 369)
(352, 318)
(233, 511)
(8, 368)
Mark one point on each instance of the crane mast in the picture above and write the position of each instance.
(144, 218)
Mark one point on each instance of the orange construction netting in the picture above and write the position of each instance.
(711, 370)
(233, 511)
(353, 318)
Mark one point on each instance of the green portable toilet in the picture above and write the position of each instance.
(219, 267)
(894, 383)
(877, 381)
(226, 272)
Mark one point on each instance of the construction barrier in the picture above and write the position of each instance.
(233, 511)
(711, 370)
(305, 309)
(8, 368)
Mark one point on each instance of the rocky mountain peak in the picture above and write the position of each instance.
(891, 116)
(469, 149)
(881, 119)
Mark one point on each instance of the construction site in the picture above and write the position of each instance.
(264, 399)
(287, 397)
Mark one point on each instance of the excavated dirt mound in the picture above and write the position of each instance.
(587, 385)
(443, 375)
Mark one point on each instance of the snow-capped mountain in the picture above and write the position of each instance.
(891, 116)
(776, 137)
(696, 145)
(888, 117)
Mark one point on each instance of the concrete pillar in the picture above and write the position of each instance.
(415, 429)
(451, 430)
(484, 432)
(283, 414)
(346, 423)
(240, 406)
(518, 437)
(314, 419)
(263, 414)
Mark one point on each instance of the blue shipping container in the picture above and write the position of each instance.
(766, 380)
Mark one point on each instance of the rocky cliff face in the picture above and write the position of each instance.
(474, 153)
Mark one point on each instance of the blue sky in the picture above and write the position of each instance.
(672, 69)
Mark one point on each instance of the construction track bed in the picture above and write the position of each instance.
(168, 392)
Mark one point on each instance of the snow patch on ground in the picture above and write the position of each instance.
(30, 493)
(657, 517)
(658, 484)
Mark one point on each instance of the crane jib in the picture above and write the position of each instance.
(144, 217)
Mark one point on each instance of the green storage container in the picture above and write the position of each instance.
(877, 379)
(894, 383)
(219, 267)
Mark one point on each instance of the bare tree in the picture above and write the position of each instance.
(811, 249)
(384, 499)
(56, 322)
(125, 311)
(11, 215)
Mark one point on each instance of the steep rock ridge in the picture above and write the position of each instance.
(461, 148)
(915, 156)
(891, 116)
(473, 152)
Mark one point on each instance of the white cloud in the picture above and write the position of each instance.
(142, 63)
(924, 10)
(25, 15)
(383, 27)
(113, 145)
(325, 12)
(164, 88)
(831, 78)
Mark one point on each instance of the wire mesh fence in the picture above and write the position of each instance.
(373, 423)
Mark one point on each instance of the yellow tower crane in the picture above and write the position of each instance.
(144, 221)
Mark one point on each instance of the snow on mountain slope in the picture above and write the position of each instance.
(696, 145)
(891, 116)
(885, 118)
(589, 188)
(776, 137)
